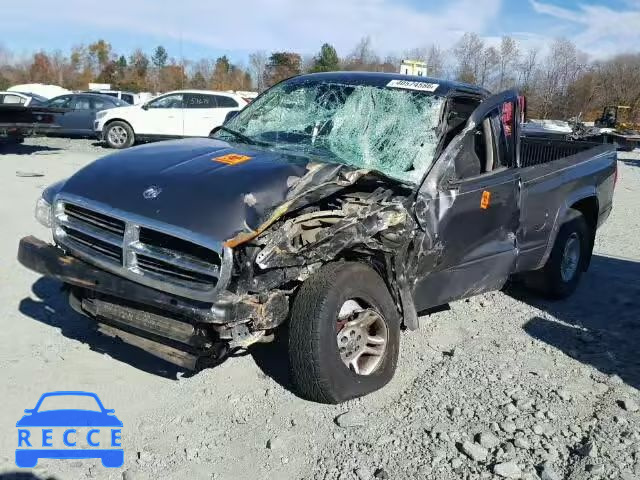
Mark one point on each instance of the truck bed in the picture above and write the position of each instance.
(540, 150)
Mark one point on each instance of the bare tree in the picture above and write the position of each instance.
(468, 52)
(527, 69)
(489, 60)
(363, 57)
(435, 61)
(508, 59)
(561, 68)
(257, 65)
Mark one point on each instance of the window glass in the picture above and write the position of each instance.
(13, 99)
(82, 103)
(168, 101)
(199, 100)
(60, 102)
(127, 98)
(226, 102)
(101, 104)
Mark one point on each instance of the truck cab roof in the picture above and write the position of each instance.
(380, 79)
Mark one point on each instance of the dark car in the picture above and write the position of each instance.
(342, 203)
(80, 112)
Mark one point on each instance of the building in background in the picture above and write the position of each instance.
(413, 67)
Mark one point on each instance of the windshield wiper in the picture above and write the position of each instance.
(243, 137)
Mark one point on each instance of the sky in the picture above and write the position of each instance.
(194, 29)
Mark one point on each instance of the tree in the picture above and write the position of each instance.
(221, 71)
(98, 56)
(327, 60)
(486, 68)
(257, 66)
(159, 57)
(198, 81)
(40, 70)
(527, 70)
(363, 56)
(435, 62)
(282, 65)
(173, 76)
(4, 82)
(469, 53)
(508, 59)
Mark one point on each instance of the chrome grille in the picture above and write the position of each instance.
(140, 252)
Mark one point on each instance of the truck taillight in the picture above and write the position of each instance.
(507, 118)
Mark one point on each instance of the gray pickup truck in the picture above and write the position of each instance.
(331, 212)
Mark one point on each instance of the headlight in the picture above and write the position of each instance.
(44, 213)
(101, 114)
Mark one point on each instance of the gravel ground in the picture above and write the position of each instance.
(501, 386)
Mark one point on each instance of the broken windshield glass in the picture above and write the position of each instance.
(389, 130)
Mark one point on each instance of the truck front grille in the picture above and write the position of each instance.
(139, 252)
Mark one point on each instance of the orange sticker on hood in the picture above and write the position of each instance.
(232, 159)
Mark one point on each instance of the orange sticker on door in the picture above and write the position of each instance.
(485, 200)
(232, 159)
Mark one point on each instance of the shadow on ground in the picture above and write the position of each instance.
(21, 149)
(23, 476)
(273, 359)
(52, 309)
(600, 324)
(632, 162)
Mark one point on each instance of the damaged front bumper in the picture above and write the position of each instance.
(176, 329)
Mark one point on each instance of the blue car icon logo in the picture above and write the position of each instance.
(91, 431)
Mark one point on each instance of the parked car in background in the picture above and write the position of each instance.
(21, 98)
(46, 91)
(80, 111)
(184, 113)
(127, 97)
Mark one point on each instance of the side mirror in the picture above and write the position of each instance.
(109, 411)
(145, 106)
(229, 116)
(28, 410)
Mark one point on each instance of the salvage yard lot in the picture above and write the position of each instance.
(551, 387)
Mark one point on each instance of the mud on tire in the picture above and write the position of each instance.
(317, 362)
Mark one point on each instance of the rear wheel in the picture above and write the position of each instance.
(344, 334)
(119, 135)
(561, 274)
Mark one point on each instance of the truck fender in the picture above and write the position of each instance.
(564, 214)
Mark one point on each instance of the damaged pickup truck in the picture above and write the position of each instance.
(342, 205)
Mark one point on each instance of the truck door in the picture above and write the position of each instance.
(469, 208)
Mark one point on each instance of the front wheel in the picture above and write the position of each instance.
(344, 334)
(119, 135)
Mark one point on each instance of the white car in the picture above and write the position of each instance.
(184, 113)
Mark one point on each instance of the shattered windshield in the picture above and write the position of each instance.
(389, 130)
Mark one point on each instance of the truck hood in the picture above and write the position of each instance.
(195, 185)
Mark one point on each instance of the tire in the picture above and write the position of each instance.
(550, 280)
(119, 135)
(317, 369)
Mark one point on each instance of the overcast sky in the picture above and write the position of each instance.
(198, 28)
